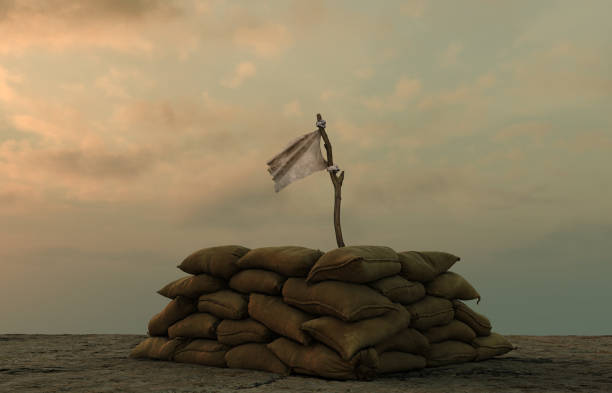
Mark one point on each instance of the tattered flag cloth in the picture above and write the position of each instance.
(301, 158)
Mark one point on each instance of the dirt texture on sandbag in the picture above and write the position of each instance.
(192, 286)
(289, 261)
(174, 311)
(197, 325)
(358, 264)
(161, 348)
(449, 352)
(424, 266)
(399, 290)
(279, 317)
(254, 356)
(348, 338)
(217, 261)
(257, 280)
(243, 331)
(431, 311)
(397, 362)
(225, 304)
(451, 285)
(346, 301)
(455, 330)
(319, 360)
(407, 340)
(493, 345)
(478, 322)
(202, 351)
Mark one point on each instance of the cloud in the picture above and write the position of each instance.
(7, 79)
(64, 24)
(292, 108)
(414, 9)
(242, 72)
(533, 130)
(266, 40)
(115, 83)
(451, 54)
(406, 89)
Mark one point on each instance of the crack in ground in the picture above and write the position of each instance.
(269, 381)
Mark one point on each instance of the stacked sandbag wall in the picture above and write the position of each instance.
(351, 313)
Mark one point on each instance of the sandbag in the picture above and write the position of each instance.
(407, 340)
(192, 286)
(359, 264)
(160, 348)
(257, 280)
(198, 325)
(493, 345)
(478, 322)
(449, 352)
(289, 261)
(319, 360)
(431, 311)
(174, 311)
(217, 261)
(348, 338)
(243, 331)
(424, 266)
(346, 301)
(399, 290)
(225, 304)
(450, 286)
(279, 317)
(455, 330)
(397, 362)
(255, 356)
(202, 351)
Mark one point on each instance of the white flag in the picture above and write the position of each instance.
(301, 158)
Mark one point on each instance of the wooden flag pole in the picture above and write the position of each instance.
(336, 179)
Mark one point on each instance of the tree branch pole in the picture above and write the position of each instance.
(336, 179)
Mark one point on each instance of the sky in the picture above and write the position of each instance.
(133, 133)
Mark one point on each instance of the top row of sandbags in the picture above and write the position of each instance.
(357, 264)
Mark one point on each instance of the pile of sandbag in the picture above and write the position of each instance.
(351, 313)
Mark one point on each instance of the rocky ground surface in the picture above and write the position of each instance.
(99, 363)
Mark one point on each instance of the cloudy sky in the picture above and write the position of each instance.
(133, 133)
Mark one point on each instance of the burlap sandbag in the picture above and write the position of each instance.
(255, 356)
(397, 362)
(407, 340)
(424, 266)
(493, 345)
(257, 280)
(455, 330)
(359, 264)
(478, 322)
(279, 317)
(174, 311)
(347, 338)
(160, 348)
(225, 304)
(198, 325)
(289, 261)
(431, 311)
(399, 290)
(244, 331)
(192, 286)
(449, 352)
(217, 261)
(451, 285)
(319, 360)
(343, 300)
(202, 351)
